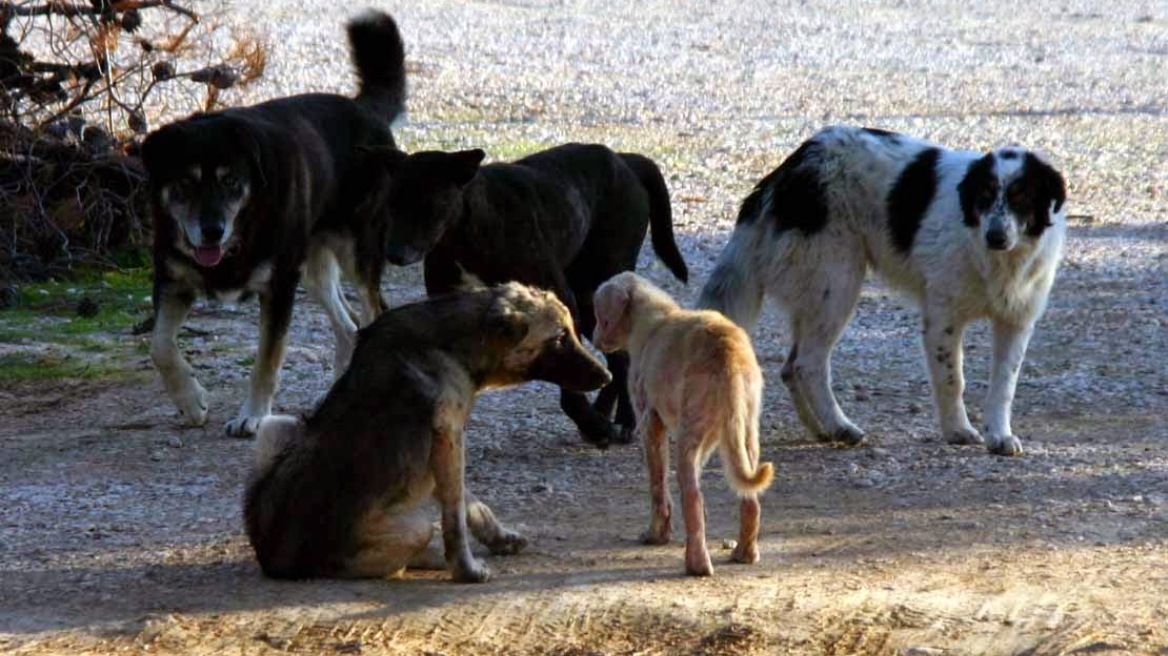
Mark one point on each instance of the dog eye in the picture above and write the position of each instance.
(229, 181)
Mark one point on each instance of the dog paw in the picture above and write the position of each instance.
(964, 436)
(192, 403)
(1004, 445)
(471, 571)
(655, 536)
(698, 564)
(243, 426)
(746, 554)
(508, 543)
(845, 435)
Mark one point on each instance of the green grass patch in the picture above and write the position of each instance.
(31, 366)
(49, 312)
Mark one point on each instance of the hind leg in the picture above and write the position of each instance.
(489, 532)
(390, 544)
(818, 318)
(750, 520)
(323, 279)
(689, 475)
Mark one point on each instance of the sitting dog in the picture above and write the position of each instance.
(346, 493)
(245, 199)
(967, 235)
(564, 219)
(692, 373)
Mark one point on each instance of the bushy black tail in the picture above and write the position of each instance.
(379, 54)
(660, 213)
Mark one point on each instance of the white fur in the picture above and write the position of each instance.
(949, 272)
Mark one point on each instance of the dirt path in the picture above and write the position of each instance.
(120, 531)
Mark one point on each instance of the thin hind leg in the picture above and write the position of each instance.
(489, 531)
(324, 284)
(818, 318)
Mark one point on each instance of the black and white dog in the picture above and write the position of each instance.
(968, 235)
(247, 200)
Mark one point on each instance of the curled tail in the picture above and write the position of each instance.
(734, 287)
(379, 55)
(660, 213)
(739, 448)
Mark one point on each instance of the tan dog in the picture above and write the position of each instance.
(692, 373)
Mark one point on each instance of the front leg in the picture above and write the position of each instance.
(942, 335)
(178, 378)
(448, 463)
(1009, 350)
(275, 315)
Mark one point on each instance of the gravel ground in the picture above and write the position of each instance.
(121, 530)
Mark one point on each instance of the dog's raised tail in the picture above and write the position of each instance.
(379, 55)
(734, 287)
(660, 213)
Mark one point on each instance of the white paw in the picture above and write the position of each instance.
(1004, 445)
(244, 425)
(964, 436)
(192, 402)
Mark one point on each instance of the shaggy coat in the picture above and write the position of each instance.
(247, 200)
(348, 491)
(694, 374)
(967, 235)
(565, 219)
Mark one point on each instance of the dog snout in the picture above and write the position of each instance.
(212, 233)
(996, 240)
(572, 368)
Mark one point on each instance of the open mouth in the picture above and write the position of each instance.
(208, 256)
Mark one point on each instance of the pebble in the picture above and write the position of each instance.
(729, 544)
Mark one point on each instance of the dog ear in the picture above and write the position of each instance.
(251, 148)
(387, 157)
(1048, 186)
(505, 324)
(464, 165)
(976, 190)
(155, 148)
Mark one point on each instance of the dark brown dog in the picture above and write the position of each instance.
(347, 491)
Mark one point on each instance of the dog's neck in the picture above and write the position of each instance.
(649, 310)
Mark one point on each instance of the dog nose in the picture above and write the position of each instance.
(996, 240)
(212, 233)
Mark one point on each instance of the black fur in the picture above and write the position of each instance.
(1043, 186)
(796, 194)
(977, 190)
(301, 158)
(564, 219)
(910, 197)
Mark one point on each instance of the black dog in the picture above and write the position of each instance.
(244, 199)
(347, 492)
(564, 219)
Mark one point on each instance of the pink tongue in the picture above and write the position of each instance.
(208, 256)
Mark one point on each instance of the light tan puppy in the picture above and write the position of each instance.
(692, 373)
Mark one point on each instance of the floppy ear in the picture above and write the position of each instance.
(505, 324)
(250, 146)
(978, 183)
(155, 147)
(464, 164)
(613, 302)
(1051, 186)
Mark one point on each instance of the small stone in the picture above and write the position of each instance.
(729, 544)
(174, 442)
